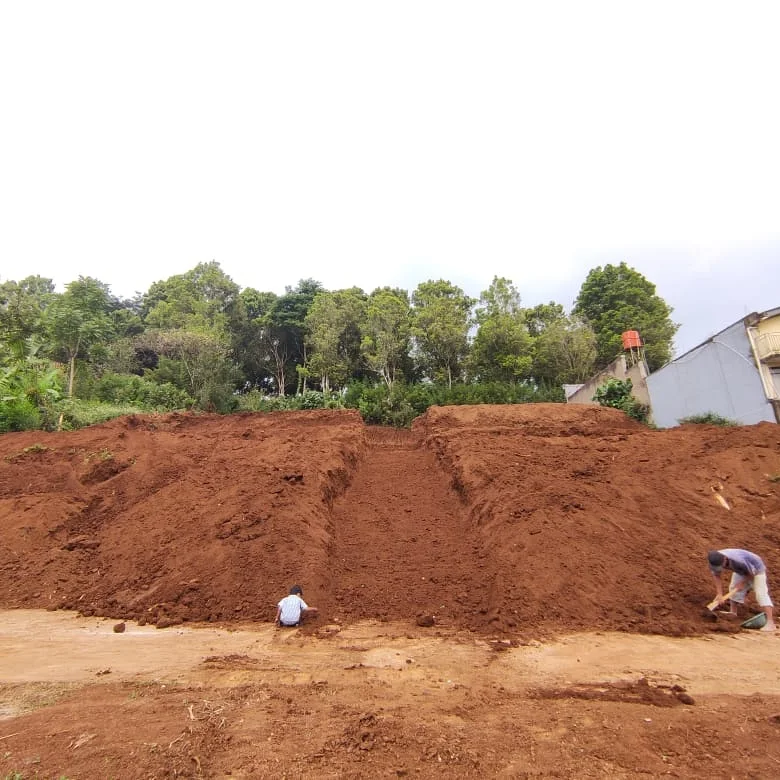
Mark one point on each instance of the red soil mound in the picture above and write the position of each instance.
(171, 518)
(595, 521)
(535, 518)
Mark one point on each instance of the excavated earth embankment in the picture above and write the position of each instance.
(486, 582)
(526, 519)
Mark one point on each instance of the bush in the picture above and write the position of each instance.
(255, 401)
(708, 418)
(380, 406)
(616, 393)
(19, 415)
(133, 390)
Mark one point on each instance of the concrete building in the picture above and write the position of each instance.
(735, 374)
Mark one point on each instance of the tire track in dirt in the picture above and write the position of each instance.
(404, 546)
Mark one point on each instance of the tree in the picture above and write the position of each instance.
(442, 317)
(386, 333)
(502, 348)
(22, 309)
(204, 298)
(78, 320)
(287, 331)
(333, 325)
(564, 352)
(126, 316)
(614, 299)
(542, 316)
(256, 345)
(198, 363)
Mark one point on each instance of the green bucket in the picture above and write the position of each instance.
(757, 621)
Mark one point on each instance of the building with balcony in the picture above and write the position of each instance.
(735, 373)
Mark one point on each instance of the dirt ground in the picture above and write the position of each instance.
(511, 591)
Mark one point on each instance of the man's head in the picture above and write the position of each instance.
(717, 560)
(296, 590)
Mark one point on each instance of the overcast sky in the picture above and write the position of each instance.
(371, 144)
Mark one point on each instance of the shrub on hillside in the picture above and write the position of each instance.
(708, 418)
(19, 414)
(398, 407)
(256, 401)
(133, 390)
(616, 393)
(380, 405)
(77, 413)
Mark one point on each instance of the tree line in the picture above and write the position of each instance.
(197, 340)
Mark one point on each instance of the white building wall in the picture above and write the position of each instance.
(719, 376)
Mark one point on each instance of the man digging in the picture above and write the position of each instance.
(748, 572)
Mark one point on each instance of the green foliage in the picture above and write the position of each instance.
(19, 415)
(399, 405)
(541, 317)
(442, 317)
(200, 364)
(707, 418)
(616, 393)
(380, 404)
(196, 340)
(287, 331)
(502, 348)
(333, 324)
(386, 333)
(125, 316)
(564, 352)
(77, 413)
(78, 320)
(255, 343)
(136, 391)
(29, 390)
(614, 299)
(204, 298)
(22, 308)
(256, 401)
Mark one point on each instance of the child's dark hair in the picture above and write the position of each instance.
(296, 590)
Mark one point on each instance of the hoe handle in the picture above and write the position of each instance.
(715, 602)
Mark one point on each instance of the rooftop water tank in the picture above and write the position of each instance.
(631, 339)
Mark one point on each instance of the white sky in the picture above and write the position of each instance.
(370, 144)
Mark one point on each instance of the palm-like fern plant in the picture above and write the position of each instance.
(29, 388)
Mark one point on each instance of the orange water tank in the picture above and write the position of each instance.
(631, 339)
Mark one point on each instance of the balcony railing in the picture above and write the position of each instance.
(768, 348)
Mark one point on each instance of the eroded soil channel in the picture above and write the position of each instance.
(404, 547)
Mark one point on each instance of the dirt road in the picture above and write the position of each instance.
(379, 699)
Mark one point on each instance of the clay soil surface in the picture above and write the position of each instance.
(507, 591)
